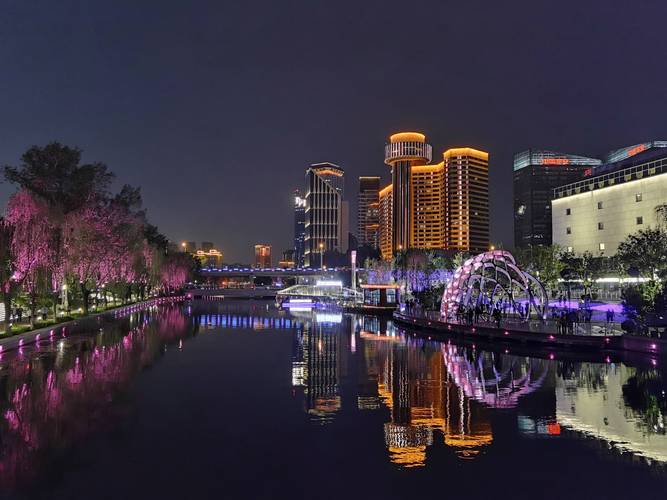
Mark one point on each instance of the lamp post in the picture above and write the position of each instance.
(321, 256)
(65, 303)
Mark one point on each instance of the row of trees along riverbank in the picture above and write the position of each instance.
(68, 242)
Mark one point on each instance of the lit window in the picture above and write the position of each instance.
(601, 246)
(568, 211)
(638, 197)
(599, 205)
(640, 220)
(600, 226)
(568, 230)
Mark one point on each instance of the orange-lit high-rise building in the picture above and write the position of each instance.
(467, 200)
(262, 256)
(404, 150)
(428, 206)
(385, 221)
(447, 204)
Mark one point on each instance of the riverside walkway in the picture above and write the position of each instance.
(594, 335)
(62, 330)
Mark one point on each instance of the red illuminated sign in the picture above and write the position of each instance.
(555, 161)
(553, 429)
(636, 149)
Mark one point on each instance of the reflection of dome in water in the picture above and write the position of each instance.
(407, 443)
(481, 380)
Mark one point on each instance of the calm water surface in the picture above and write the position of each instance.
(239, 400)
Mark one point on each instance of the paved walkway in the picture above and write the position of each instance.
(514, 323)
(60, 330)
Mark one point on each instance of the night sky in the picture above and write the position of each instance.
(216, 108)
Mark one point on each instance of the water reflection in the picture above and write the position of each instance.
(424, 402)
(622, 406)
(438, 391)
(62, 391)
(317, 360)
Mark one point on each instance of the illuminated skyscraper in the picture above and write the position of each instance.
(428, 206)
(262, 256)
(536, 174)
(299, 228)
(326, 213)
(404, 150)
(467, 200)
(385, 221)
(368, 211)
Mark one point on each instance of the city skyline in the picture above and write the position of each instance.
(191, 106)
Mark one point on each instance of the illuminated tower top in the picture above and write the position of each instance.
(410, 146)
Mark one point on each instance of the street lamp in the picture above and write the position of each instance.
(321, 255)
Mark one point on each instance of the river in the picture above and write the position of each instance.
(240, 400)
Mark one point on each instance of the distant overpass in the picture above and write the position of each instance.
(272, 272)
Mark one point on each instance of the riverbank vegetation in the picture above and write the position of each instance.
(70, 245)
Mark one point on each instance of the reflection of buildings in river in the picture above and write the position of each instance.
(413, 382)
(594, 399)
(318, 362)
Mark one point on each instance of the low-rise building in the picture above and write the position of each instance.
(597, 213)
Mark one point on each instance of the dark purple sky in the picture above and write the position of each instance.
(215, 108)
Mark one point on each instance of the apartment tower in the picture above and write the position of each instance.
(403, 151)
(368, 211)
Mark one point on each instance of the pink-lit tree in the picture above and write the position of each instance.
(7, 286)
(175, 272)
(98, 247)
(31, 244)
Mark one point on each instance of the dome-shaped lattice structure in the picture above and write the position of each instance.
(492, 278)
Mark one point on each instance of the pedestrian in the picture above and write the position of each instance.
(496, 316)
(19, 313)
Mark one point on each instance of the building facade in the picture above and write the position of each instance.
(428, 206)
(597, 213)
(299, 228)
(386, 220)
(262, 256)
(467, 200)
(368, 212)
(448, 202)
(326, 213)
(536, 174)
(210, 257)
(403, 151)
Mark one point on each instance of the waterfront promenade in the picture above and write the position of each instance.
(594, 335)
(61, 330)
